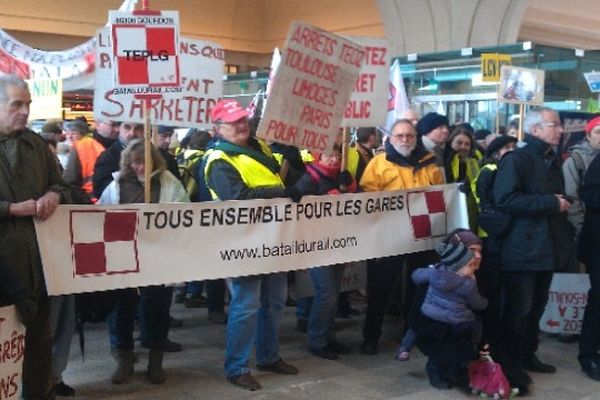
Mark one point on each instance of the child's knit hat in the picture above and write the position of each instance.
(454, 256)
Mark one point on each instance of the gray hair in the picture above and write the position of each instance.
(402, 121)
(77, 126)
(534, 117)
(10, 80)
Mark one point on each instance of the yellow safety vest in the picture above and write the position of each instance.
(253, 173)
(492, 167)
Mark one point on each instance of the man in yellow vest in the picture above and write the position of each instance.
(238, 168)
(80, 166)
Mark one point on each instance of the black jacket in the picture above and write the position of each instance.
(526, 183)
(590, 195)
(106, 164)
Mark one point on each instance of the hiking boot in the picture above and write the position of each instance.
(245, 381)
(279, 367)
(155, 371)
(124, 367)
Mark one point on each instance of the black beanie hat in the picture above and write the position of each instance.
(431, 121)
(454, 256)
(499, 143)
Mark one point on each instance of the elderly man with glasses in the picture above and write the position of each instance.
(529, 186)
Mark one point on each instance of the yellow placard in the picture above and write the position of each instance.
(46, 98)
(491, 63)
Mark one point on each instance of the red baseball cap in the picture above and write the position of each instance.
(592, 124)
(228, 111)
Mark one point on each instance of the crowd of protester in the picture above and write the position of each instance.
(530, 214)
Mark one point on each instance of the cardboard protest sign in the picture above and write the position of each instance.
(314, 81)
(90, 248)
(566, 304)
(46, 99)
(521, 85)
(368, 103)
(145, 48)
(188, 105)
(12, 343)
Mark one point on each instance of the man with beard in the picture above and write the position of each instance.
(405, 164)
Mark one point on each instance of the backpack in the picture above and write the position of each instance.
(187, 162)
(494, 222)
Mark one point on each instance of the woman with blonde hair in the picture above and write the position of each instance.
(128, 187)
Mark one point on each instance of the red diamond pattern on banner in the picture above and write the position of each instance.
(146, 56)
(111, 251)
(427, 212)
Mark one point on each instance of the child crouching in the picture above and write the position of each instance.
(447, 327)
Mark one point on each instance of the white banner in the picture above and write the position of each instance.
(12, 344)
(313, 83)
(368, 104)
(90, 248)
(188, 105)
(566, 304)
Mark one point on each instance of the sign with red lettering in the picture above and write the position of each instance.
(368, 104)
(566, 304)
(187, 105)
(313, 83)
(12, 343)
(145, 48)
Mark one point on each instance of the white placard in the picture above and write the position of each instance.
(566, 304)
(368, 104)
(189, 105)
(313, 83)
(90, 248)
(12, 343)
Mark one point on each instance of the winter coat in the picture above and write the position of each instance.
(34, 174)
(171, 190)
(451, 298)
(525, 187)
(391, 171)
(590, 195)
(574, 181)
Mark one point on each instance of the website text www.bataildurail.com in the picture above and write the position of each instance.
(289, 248)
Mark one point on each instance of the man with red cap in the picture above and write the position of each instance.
(574, 168)
(238, 168)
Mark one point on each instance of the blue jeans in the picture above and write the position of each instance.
(254, 313)
(327, 282)
(155, 302)
(62, 326)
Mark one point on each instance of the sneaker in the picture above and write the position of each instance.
(245, 381)
(338, 348)
(535, 365)
(279, 367)
(64, 390)
(369, 348)
(323, 352)
(402, 354)
(217, 317)
(195, 302)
